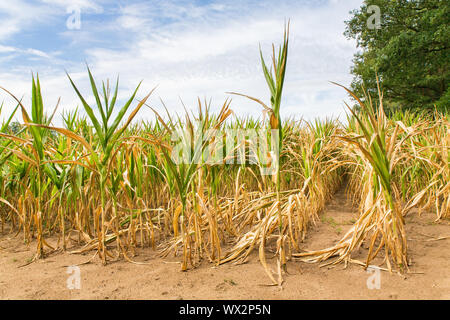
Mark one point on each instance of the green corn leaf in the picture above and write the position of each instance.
(121, 114)
(90, 113)
(113, 100)
(97, 99)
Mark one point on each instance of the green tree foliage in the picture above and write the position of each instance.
(409, 50)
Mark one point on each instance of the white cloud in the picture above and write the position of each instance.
(6, 49)
(19, 15)
(195, 56)
(15, 15)
(38, 53)
(192, 51)
(26, 52)
(88, 5)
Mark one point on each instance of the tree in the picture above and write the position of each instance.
(408, 49)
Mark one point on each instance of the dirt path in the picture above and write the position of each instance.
(161, 278)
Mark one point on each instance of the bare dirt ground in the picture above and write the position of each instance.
(429, 250)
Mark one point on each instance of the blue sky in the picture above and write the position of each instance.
(187, 48)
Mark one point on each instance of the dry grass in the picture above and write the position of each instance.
(112, 186)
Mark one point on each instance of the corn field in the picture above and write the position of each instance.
(107, 183)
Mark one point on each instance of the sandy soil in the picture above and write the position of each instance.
(161, 278)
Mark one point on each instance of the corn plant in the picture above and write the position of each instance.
(33, 152)
(181, 165)
(102, 180)
(381, 214)
(275, 81)
(108, 133)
